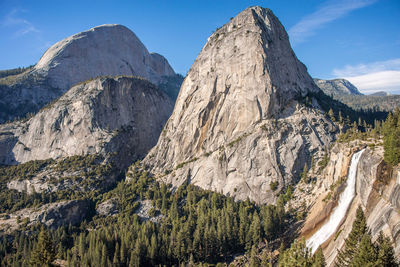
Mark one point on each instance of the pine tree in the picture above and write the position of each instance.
(298, 255)
(304, 173)
(116, 261)
(104, 256)
(391, 138)
(122, 253)
(319, 259)
(358, 230)
(134, 260)
(365, 254)
(254, 260)
(385, 252)
(153, 248)
(255, 229)
(82, 246)
(331, 114)
(43, 253)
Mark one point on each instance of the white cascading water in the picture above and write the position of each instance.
(339, 212)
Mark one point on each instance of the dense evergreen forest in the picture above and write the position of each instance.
(342, 113)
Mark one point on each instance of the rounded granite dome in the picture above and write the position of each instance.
(110, 49)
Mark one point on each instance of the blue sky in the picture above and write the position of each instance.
(355, 39)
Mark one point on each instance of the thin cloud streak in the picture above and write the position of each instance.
(362, 69)
(24, 26)
(330, 11)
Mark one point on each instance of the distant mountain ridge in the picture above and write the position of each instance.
(380, 93)
(337, 87)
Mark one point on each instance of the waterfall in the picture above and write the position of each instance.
(339, 212)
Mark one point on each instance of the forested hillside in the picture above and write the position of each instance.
(183, 225)
(366, 102)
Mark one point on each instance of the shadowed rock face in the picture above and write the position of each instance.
(106, 50)
(237, 124)
(106, 115)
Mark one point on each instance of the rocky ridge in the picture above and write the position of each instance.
(239, 122)
(380, 93)
(106, 50)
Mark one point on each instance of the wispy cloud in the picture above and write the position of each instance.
(329, 11)
(361, 69)
(23, 26)
(373, 77)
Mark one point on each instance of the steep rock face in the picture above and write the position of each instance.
(337, 87)
(123, 115)
(106, 50)
(237, 124)
(377, 191)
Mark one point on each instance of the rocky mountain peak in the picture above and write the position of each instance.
(110, 49)
(254, 46)
(246, 76)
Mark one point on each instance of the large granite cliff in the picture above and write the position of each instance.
(239, 122)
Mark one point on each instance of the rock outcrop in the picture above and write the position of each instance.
(108, 207)
(239, 122)
(122, 115)
(79, 174)
(53, 215)
(337, 87)
(106, 50)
